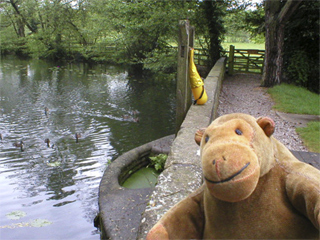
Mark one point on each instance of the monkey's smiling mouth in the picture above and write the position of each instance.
(229, 178)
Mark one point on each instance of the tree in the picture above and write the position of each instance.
(213, 12)
(141, 27)
(277, 14)
(142, 31)
(301, 47)
(254, 23)
(243, 22)
(208, 20)
(22, 19)
(44, 28)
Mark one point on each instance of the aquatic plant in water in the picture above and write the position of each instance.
(15, 215)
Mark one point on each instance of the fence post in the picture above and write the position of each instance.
(183, 92)
(248, 62)
(231, 60)
(262, 67)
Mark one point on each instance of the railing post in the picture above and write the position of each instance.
(262, 67)
(191, 36)
(183, 94)
(248, 61)
(231, 60)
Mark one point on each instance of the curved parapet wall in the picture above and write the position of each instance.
(182, 174)
(121, 208)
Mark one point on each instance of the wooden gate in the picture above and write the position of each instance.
(245, 60)
(201, 57)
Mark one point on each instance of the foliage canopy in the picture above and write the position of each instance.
(137, 32)
(111, 30)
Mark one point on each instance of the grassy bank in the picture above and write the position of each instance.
(293, 99)
(311, 136)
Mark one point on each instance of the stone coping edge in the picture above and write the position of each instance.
(120, 208)
(183, 174)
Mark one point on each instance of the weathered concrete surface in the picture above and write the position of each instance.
(308, 157)
(182, 174)
(121, 208)
(299, 120)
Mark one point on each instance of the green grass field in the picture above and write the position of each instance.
(226, 45)
(293, 99)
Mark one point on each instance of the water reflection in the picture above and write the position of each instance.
(56, 176)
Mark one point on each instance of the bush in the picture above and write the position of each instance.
(301, 46)
(298, 68)
(164, 60)
(158, 161)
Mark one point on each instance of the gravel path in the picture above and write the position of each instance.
(242, 93)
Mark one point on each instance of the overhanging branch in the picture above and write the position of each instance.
(15, 7)
(287, 10)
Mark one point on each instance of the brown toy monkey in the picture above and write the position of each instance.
(253, 188)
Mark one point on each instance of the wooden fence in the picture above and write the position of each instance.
(245, 60)
(239, 60)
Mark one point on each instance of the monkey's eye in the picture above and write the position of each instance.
(206, 139)
(238, 131)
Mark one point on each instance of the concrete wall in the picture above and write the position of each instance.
(120, 208)
(182, 174)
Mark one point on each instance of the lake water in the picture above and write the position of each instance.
(51, 192)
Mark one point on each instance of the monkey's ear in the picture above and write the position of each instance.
(198, 135)
(267, 125)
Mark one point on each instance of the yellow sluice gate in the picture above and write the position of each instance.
(197, 85)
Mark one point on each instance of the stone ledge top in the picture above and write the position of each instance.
(183, 174)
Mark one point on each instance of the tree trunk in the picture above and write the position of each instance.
(212, 12)
(276, 19)
(20, 28)
(279, 60)
(271, 10)
(23, 20)
(83, 41)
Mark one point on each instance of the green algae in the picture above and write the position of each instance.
(143, 178)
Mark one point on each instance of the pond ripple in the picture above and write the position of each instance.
(59, 183)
